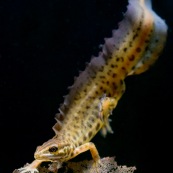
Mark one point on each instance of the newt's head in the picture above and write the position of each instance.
(54, 151)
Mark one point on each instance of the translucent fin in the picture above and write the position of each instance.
(57, 127)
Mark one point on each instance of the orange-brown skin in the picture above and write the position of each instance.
(133, 48)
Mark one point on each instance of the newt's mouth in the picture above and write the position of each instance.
(46, 157)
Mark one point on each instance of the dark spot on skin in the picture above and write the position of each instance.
(109, 95)
(114, 75)
(87, 107)
(133, 67)
(76, 117)
(97, 127)
(104, 91)
(75, 99)
(131, 58)
(96, 92)
(101, 88)
(80, 143)
(53, 149)
(84, 138)
(75, 126)
(101, 68)
(114, 85)
(123, 68)
(117, 59)
(125, 49)
(103, 81)
(112, 65)
(109, 72)
(90, 134)
(130, 44)
(121, 82)
(138, 28)
(102, 77)
(135, 36)
(93, 77)
(138, 49)
(107, 82)
(85, 90)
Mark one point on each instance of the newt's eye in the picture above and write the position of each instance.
(53, 149)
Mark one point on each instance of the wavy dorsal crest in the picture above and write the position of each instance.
(134, 46)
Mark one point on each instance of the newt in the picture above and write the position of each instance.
(133, 48)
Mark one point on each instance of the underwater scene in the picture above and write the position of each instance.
(85, 86)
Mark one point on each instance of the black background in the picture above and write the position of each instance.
(43, 45)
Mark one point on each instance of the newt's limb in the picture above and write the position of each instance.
(31, 168)
(106, 106)
(85, 147)
(94, 152)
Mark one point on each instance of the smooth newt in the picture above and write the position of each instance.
(132, 49)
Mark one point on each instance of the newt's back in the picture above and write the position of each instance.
(132, 49)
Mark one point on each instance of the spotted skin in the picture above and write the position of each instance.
(132, 49)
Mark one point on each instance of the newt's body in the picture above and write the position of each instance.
(133, 48)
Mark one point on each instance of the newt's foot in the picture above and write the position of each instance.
(29, 168)
(97, 165)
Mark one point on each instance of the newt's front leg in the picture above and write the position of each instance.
(85, 147)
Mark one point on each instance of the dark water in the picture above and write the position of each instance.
(43, 45)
